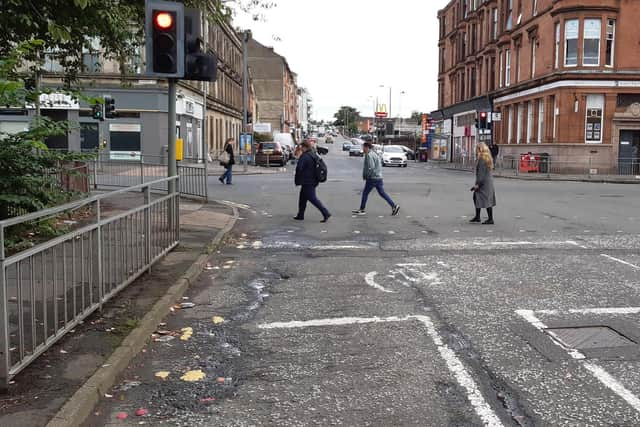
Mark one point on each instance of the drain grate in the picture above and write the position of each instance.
(589, 337)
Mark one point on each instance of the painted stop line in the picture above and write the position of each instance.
(453, 363)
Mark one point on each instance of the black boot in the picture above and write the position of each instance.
(490, 213)
(477, 217)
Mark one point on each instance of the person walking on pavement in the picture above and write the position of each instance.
(494, 152)
(307, 180)
(372, 175)
(484, 195)
(227, 159)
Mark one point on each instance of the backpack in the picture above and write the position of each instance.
(320, 170)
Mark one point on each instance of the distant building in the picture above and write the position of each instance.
(563, 75)
(275, 86)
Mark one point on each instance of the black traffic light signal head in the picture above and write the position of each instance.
(164, 26)
(198, 65)
(97, 111)
(482, 120)
(109, 107)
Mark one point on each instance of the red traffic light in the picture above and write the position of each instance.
(163, 20)
(483, 114)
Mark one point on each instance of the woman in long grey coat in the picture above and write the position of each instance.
(484, 194)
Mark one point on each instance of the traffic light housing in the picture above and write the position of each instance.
(249, 117)
(109, 107)
(164, 32)
(482, 122)
(198, 65)
(97, 111)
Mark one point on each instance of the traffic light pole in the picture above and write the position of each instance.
(172, 167)
(245, 94)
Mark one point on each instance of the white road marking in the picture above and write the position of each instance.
(415, 264)
(621, 261)
(235, 205)
(455, 366)
(604, 310)
(613, 384)
(370, 280)
(356, 232)
(597, 371)
(337, 247)
(391, 232)
(256, 245)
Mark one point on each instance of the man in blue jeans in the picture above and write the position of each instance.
(372, 174)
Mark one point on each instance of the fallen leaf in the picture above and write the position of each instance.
(217, 320)
(165, 338)
(63, 351)
(186, 333)
(108, 396)
(163, 374)
(193, 376)
(186, 305)
(122, 415)
(141, 412)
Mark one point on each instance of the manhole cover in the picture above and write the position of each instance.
(582, 338)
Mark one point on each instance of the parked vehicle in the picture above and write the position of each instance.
(377, 148)
(394, 155)
(411, 155)
(346, 146)
(270, 153)
(328, 140)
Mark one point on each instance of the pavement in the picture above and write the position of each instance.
(418, 319)
(40, 391)
(512, 174)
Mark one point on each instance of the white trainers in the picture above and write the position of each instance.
(358, 212)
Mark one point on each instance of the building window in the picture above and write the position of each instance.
(509, 124)
(571, 42)
(540, 120)
(495, 23)
(530, 117)
(554, 102)
(519, 124)
(593, 122)
(518, 61)
(509, 15)
(611, 37)
(507, 67)
(556, 53)
(534, 48)
(591, 44)
(501, 73)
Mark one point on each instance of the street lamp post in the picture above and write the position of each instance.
(389, 109)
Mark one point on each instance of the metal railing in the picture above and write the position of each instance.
(584, 168)
(105, 172)
(47, 290)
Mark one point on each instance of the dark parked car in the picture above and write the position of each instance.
(346, 146)
(270, 153)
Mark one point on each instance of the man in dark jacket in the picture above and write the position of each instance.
(306, 179)
(228, 165)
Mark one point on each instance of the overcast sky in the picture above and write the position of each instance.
(343, 50)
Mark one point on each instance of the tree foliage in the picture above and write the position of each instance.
(28, 170)
(67, 27)
(347, 116)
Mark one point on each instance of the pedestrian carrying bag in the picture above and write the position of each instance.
(321, 169)
(224, 158)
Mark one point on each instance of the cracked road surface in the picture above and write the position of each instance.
(420, 319)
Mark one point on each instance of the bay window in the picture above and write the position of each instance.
(571, 42)
(591, 43)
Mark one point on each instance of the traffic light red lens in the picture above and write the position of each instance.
(483, 115)
(164, 20)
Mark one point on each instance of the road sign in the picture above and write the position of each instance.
(496, 117)
(381, 114)
(262, 127)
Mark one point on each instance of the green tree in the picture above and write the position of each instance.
(66, 27)
(347, 117)
(28, 170)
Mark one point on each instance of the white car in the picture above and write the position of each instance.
(356, 147)
(393, 155)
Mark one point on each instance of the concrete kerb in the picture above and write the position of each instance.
(79, 407)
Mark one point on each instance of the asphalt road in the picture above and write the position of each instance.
(420, 319)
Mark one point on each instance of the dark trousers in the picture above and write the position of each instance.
(378, 185)
(308, 194)
(227, 174)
